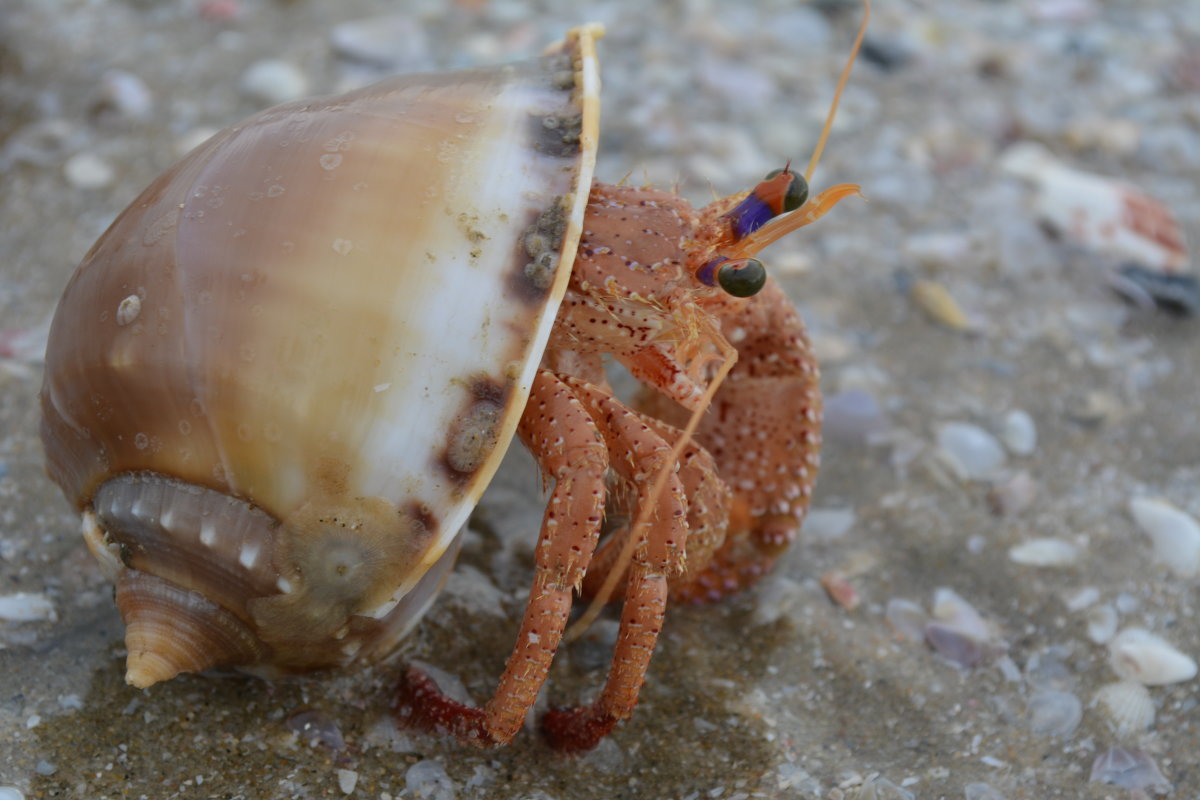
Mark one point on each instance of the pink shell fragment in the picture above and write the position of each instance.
(1100, 213)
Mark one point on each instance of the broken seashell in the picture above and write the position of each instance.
(1103, 214)
(1138, 655)
(1175, 534)
(1129, 769)
(1128, 705)
(840, 590)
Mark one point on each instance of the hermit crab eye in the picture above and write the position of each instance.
(797, 191)
(743, 277)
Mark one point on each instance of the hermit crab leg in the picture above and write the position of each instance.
(636, 452)
(569, 448)
(707, 513)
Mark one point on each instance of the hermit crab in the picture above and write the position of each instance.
(279, 383)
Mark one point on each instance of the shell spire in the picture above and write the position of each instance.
(169, 630)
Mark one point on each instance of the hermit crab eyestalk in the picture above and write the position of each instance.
(741, 277)
(778, 193)
(796, 193)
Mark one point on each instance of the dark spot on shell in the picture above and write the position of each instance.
(536, 257)
(556, 134)
(424, 522)
(473, 433)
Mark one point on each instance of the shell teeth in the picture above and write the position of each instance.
(169, 630)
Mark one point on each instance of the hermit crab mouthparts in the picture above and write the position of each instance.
(249, 393)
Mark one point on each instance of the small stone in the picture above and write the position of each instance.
(1102, 622)
(125, 94)
(347, 779)
(272, 81)
(1019, 433)
(907, 618)
(428, 780)
(981, 791)
(88, 171)
(978, 452)
(853, 416)
(827, 524)
(1013, 494)
(390, 42)
(45, 768)
(1054, 713)
(1045, 553)
(939, 305)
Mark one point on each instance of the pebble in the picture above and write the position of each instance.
(317, 728)
(1130, 769)
(907, 618)
(125, 94)
(978, 452)
(11, 793)
(1136, 654)
(853, 416)
(88, 171)
(827, 524)
(1054, 713)
(1013, 494)
(1102, 622)
(272, 81)
(1019, 433)
(428, 780)
(393, 42)
(939, 305)
(981, 791)
(1128, 705)
(45, 768)
(840, 590)
(347, 779)
(1174, 534)
(27, 607)
(1045, 553)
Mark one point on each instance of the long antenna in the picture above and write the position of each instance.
(837, 95)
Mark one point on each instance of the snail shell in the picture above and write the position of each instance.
(278, 384)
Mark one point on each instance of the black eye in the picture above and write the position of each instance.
(797, 191)
(743, 277)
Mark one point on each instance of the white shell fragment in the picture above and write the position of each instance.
(1138, 655)
(1100, 213)
(1127, 705)
(1174, 534)
(1045, 553)
(978, 452)
(27, 607)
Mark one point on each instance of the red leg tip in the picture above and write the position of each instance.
(576, 730)
(420, 704)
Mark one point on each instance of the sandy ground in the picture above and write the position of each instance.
(778, 692)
